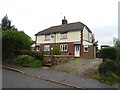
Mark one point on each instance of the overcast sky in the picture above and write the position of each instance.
(32, 16)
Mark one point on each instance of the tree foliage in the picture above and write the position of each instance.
(13, 41)
(6, 24)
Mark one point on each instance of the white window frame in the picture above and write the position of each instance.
(46, 47)
(62, 46)
(47, 37)
(86, 46)
(63, 35)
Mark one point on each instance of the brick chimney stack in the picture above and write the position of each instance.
(64, 21)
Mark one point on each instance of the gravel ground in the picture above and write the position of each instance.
(82, 68)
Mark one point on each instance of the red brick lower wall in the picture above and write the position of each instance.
(90, 54)
(70, 48)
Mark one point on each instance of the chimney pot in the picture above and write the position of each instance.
(64, 21)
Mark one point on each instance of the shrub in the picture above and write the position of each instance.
(109, 53)
(56, 51)
(25, 52)
(23, 59)
(109, 66)
(34, 63)
(27, 61)
(118, 53)
(13, 40)
(36, 55)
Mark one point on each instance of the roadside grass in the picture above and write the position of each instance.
(80, 58)
(71, 70)
(33, 64)
(53, 67)
(110, 78)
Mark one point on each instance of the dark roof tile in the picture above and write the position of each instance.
(63, 28)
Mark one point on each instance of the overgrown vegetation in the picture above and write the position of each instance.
(55, 51)
(28, 61)
(109, 77)
(109, 70)
(36, 55)
(12, 41)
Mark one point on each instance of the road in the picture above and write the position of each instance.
(12, 79)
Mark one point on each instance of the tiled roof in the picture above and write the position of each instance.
(63, 28)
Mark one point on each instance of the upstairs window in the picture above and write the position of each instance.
(63, 35)
(46, 47)
(86, 48)
(63, 47)
(47, 37)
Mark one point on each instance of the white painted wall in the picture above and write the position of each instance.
(72, 36)
(87, 36)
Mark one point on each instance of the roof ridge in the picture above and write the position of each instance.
(67, 24)
(60, 28)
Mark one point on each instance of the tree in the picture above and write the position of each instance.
(6, 24)
(13, 41)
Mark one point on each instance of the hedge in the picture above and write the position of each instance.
(109, 53)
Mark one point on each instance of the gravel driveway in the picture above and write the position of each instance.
(82, 68)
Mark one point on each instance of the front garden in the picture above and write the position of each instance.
(16, 49)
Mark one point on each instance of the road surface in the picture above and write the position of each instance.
(12, 79)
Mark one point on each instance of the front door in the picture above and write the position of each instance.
(77, 50)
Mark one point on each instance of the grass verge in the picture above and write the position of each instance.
(71, 70)
(80, 59)
(110, 78)
(53, 67)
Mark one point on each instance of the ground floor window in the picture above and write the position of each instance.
(46, 47)
(63, 47)
(85, 48)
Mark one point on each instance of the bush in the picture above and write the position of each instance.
(23, 59)
(109, 70)
(118, 53)
(12, 41)
(109, 53)
(34, 63)
(56, 51)
(27, 61)
(36, 55)
(109, 66)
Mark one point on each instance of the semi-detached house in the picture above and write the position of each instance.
(71, 38)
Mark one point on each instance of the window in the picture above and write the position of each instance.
(63, 35)
(46, 47)
(63, 47)
(47, 37)
(86, 48)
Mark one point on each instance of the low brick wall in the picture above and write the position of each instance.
(56, 59)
